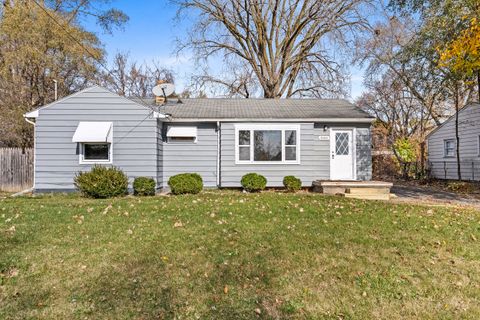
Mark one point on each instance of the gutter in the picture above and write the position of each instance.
(323, 120)
(26, 116)
(159, 115)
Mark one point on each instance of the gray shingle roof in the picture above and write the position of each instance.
(262, 109)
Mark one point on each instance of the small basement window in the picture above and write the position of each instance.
(181, 134)
(449, 148)
(95, 152)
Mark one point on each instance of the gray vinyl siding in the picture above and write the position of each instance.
(57, 157)
(314, 159)
(199, 157)
(160, 183)
(364, 154)
(442, 167)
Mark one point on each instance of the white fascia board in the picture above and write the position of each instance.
(323, 120)
(159, 115)
(31, 114)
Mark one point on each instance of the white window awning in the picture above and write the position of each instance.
(187, 132)
(93, 132)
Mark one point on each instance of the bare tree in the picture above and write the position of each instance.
(133, 80)
(401, 115)
(382, 49)
(288, 45)
(238, 81)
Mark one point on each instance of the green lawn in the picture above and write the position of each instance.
(228, 255)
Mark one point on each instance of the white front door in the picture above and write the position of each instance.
(341, 154)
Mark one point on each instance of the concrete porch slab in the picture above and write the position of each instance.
(355, 189)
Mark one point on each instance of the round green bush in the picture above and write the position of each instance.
(102, 182)
(144, 186)
(292, 184)
(253, 182)
(186, 183)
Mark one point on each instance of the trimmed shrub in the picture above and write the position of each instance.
(102, 182)
(186, 183)
(292, 184)
(253, 182)
(144, 186)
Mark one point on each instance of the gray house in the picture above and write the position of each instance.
(442, 146)
(221, 139)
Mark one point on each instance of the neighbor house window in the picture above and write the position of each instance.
(267, 144)
(96, 152)
(449, 148)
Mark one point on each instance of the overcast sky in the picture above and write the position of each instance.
(150, 35)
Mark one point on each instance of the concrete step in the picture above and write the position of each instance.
(368, 191)
(384, 196)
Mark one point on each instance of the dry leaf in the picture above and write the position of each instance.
(178, 224)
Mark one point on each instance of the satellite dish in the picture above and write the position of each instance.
(163, 89)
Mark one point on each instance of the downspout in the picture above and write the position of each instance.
(34, 159)
(219, 146)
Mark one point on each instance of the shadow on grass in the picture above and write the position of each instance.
(152, 288)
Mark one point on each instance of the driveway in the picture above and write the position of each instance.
(431, 195)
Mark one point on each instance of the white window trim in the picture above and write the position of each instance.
(445, 148)
(267, 126)
(82, 153)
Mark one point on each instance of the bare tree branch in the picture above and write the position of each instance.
(286, 44)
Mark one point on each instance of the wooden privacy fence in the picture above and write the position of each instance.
(16, 169)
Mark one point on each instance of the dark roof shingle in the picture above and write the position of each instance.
(216, 108)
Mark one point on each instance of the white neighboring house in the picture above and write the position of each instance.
(442, 146)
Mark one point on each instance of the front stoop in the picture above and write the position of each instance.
(368, 190)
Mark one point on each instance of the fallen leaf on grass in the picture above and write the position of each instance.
(105, 211)
(178, 224)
